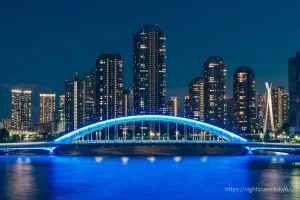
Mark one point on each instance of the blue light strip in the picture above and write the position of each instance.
(112, 122)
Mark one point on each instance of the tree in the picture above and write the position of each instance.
(285, 127)
(4, 135)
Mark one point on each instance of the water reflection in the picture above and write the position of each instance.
(22, 179)
(177, 158)
(98, 159)
(60, 177)
(124, 160)
(151, 159)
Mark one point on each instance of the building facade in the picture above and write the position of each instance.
(294, 90)
(173, 108)
(109, 86)
(128, 109)
(280, 106)
(187, 110)
(261, 102)
(73, 103)
(215, 73)
(59, 116)
(244, 100)
(149, 67)
(21, 110)
(196, 98)
(230, 114)
(89, 98)
(47, 107)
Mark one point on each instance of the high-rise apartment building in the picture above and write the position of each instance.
(74, 103)
(244, 100)
(196, 98)
(187, 112)
(128, 108)
(294, 90)
(59, 116)
(21, 110)
(47, 108)
(173, 108)
(62, 100)
(261, 102)
(109, 86)
(215, 108)
(280, 106)
(230, 114)
(89, 98)
(149, 67)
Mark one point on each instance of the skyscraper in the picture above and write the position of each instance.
(47, 108)
(294, 90)
(244, 100)
(215, 108)
(21, 110)
(285, 107)
(173, 108)
(59, 116)
(280, 106)
(89, 98)
(260, 110)
(128, 109)
(109, 86)
(149, 66)
(62, 100)
(187, 113)
(74, 103)
(196, 98)
(230, 114)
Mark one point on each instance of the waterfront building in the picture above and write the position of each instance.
(244, 100)
(196, 98)
(173, 108)
(215, 108)
(109, 86)
(73, 103)
(21, 111)
(89, 98)
(294, 90)
(149, 67)
(128, 108)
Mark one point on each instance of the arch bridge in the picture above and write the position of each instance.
(150, 127)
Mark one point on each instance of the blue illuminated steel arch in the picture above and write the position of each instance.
(138, 118)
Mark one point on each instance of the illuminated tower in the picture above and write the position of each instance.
(196, 98)
(149, 68)
(109, 86)
(215, 104)
(269, 108)
(73, 103)
(244, 100)
(21, 110)
(89, 98)
(128, 102)
(47, 107)
(173, 107)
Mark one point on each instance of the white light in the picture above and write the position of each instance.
(124, 160)
(151, 159)
(177, 158)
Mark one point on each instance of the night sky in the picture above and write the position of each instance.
(43, 43)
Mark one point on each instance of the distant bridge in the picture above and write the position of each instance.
(199, 133)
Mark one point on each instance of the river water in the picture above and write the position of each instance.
(205, 177)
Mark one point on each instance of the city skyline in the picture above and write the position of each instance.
(260, 63)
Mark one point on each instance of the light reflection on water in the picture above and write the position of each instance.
(59, 177)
